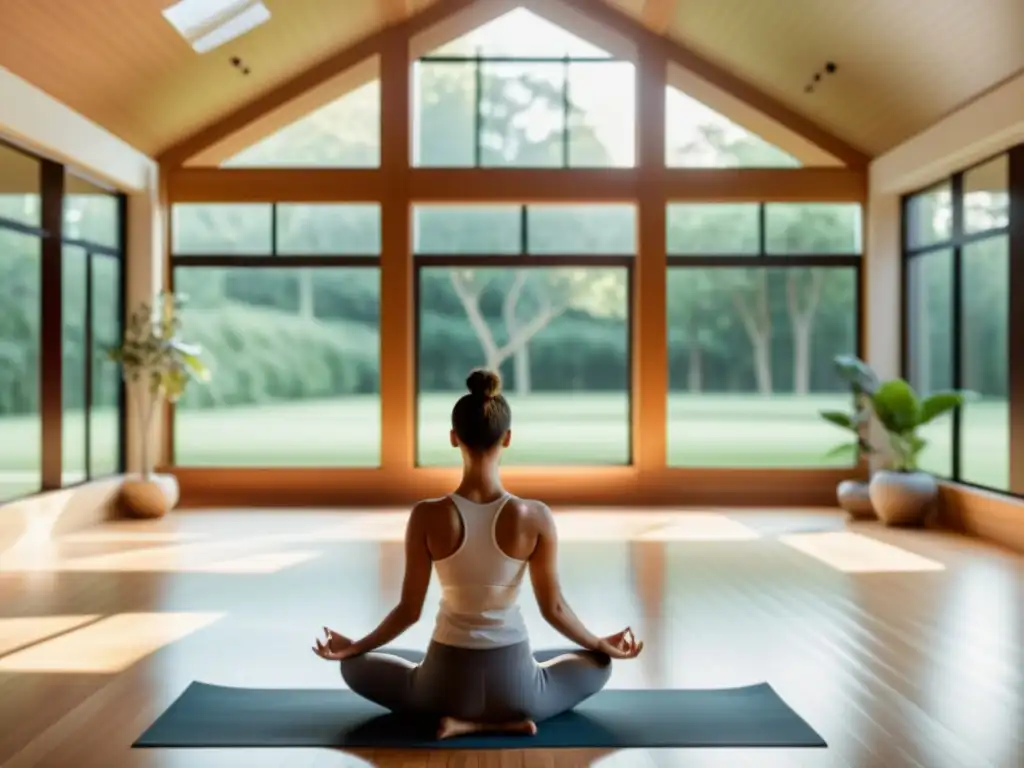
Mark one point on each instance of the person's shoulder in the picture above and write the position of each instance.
(427, 509)
(432, 505)
(531, 510)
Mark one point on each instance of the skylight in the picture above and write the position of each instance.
(209, 24)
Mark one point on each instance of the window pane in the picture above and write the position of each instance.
(522, 115)
(342, 134)
(19, 195)
(222, 228)
(74, 265)
(750, 367)
(985, 354)
(929, 217)
(812, 228)
(708, 229)
(520, 33)
(560, 338)
(20, 422)
(104, 413)
(91, 213)
(444, 114)
(930, 348)
(698, 137)
(986, 196)
(467, 229)
(602, 116)
(328, 229)
(581, 229)
(295, 362)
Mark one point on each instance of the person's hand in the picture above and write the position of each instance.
(621, 645)
(335, 647)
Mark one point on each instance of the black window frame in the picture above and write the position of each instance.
(275, 259)
(955, 244)
(93, 252)
(526, 260)
(479, 61)
(50, 234)
(765, 258)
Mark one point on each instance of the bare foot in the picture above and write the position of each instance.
(451, 727)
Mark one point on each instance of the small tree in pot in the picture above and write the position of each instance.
(901, 494)
(157, 367)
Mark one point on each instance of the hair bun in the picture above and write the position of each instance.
(484, 383)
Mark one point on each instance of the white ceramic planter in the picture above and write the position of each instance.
(903, 498)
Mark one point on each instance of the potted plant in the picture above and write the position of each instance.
(853, 496)
(901, 494)
(157, 367)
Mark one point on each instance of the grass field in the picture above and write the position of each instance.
(593, 429)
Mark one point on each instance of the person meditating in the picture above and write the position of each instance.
(479, 673)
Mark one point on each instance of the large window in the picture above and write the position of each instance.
(91, 311)
(285, 302)
(522, 92)
(20, 314)
(342, 134)
(957, 310)
(761, 298)
(697, 136)
(541, 293)
(57, 224)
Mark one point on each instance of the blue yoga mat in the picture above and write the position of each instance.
(215, 716)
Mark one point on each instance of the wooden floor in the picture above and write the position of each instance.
(902, 648)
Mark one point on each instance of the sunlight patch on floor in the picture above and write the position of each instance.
(122, 536)
(20, 631)
(110, 645)
(197, 557)
(854, 553)
(700, 526)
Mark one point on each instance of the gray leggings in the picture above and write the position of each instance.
(483, 686)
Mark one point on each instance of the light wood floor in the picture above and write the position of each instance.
(902, 648)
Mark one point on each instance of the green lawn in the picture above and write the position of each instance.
(707, 430)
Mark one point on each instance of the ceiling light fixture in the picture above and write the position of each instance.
(209, 24)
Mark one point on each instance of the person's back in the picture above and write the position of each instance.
(479, 672)
(479, 581)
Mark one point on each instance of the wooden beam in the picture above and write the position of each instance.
(522, 185)
(600, 486)
(260, 185)
(394, 11)
(515, 185)
(649, 329)
(657, 15)
(311, 78)
(618, 20)
(828, 185)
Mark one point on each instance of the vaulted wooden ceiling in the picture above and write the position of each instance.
(901, 64)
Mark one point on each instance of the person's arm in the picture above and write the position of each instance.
(548, 590)
(414, 589)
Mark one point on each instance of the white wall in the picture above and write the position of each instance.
(39, 122)
(33, 119)
(989, 124)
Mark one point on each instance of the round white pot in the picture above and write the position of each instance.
(854, 497)
(902, 498)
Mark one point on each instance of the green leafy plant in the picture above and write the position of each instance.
(155, 363)
(896, 406)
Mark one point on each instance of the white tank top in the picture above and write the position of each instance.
(479, 584)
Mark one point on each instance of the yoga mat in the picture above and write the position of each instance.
(215, 716)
